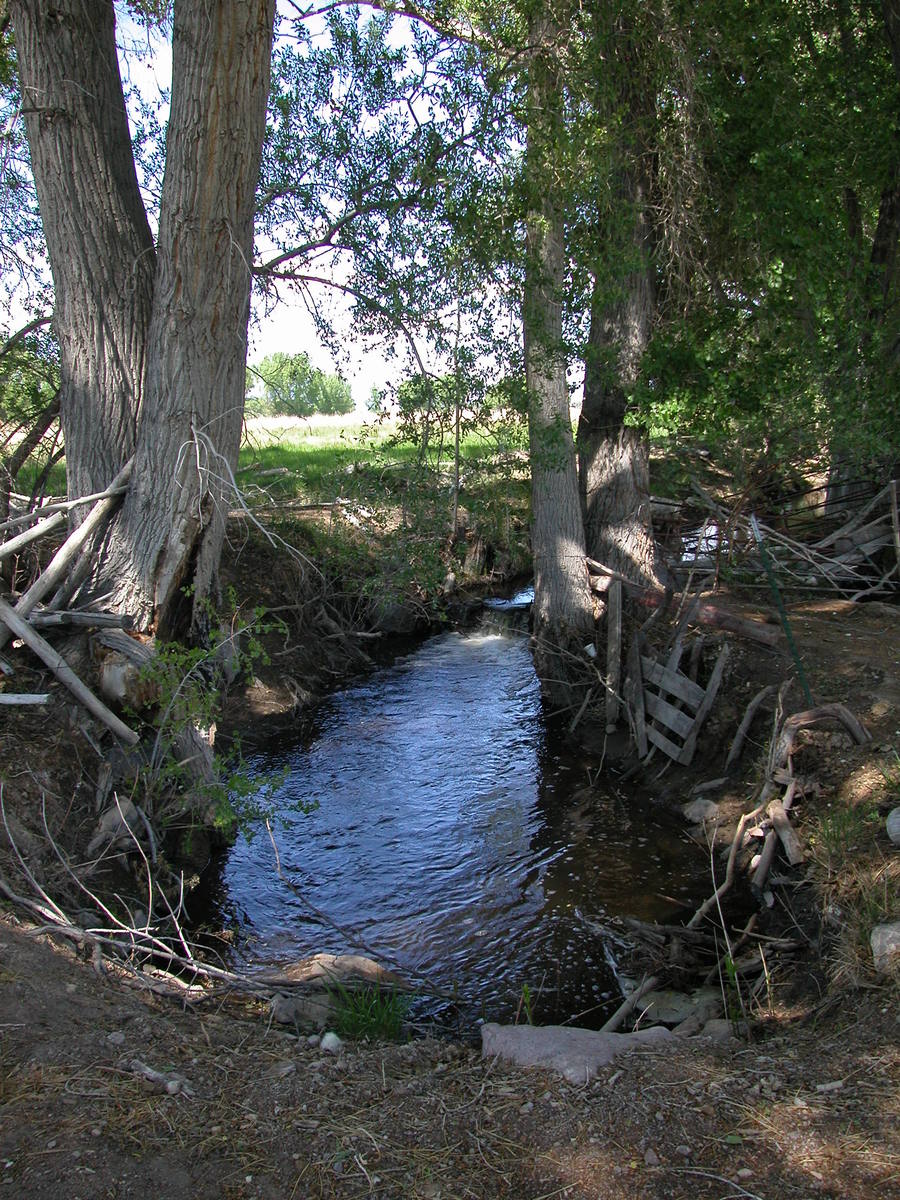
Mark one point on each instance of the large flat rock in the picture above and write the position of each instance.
(577, 1054)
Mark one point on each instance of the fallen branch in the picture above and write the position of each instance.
(743, 729)
(16, 698)
(17, 543)
(64, 673)
(629, 1004)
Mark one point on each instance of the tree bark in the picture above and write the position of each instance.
(98, 238)
(613, 461)
(563, 611)
(189, 430)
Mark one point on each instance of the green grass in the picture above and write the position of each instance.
(369, 1013)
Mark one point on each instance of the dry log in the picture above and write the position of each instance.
(84, 620)
(16, 698)
(71, 547)
(15, 544)
(64, 673)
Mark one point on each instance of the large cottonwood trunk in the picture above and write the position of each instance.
(98, 239)
(613, 461)
(563, 611)
(154, 344)
(172, 525)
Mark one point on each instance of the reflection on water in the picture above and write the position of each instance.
(446, 839)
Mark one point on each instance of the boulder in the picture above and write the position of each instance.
(667, 1007)
(314, 1011)
(700, 811)
(576, 1054)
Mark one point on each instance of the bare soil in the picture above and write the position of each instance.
(806, 1105)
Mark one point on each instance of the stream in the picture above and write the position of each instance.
(454, 838)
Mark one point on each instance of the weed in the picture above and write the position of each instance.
(840, 829)
(369, 1013)
(526, 1005)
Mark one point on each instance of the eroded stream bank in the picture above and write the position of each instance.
(456, 837)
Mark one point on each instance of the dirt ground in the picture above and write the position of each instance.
(806, 1105)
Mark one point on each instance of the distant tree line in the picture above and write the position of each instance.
(288, 385)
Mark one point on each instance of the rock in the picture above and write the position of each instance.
(120, 825)
(651, 1158)
(331, 1043)
(893, 825)
(671, 1008)
(698, 811)
(719, 1029)
(306, 1012)
(885, 940)
(576, 1054)
(396, 618)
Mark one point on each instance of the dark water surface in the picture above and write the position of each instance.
(452, 839)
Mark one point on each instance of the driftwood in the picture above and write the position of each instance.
(64, 673)
(704, 614)
(784, 745)
(60, 564)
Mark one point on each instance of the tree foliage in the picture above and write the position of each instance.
(289, 385)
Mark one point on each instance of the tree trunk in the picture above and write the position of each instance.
(98, 239)
(563, 610)
(613, 462)
(172, 524)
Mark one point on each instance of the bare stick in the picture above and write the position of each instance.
(59, 565)
(740, 737)
(726, 883)
(15, 544)
(629, 1004)
(17, 698)
(64, 673)
(63, 506)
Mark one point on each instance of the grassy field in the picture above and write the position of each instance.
(358, 494)
(383, 495)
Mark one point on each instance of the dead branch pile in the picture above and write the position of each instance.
(856, 555)
(44, 603)
(709, 949)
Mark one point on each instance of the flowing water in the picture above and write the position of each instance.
(452, 838)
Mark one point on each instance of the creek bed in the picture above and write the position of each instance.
(452, 836)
